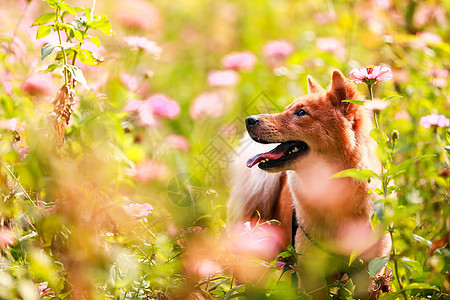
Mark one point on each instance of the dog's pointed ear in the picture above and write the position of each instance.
(338, 90)
(314, 86)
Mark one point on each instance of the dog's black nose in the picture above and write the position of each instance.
(251, 121)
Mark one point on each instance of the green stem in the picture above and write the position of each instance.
(444, 152)
(391, 229)
(370, 86)
(66, 76)
(20, 185)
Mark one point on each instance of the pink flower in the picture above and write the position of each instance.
(322, 18)
(164, 106)
(280, 264)
(263, 241)
(376, 105)
(12, 124)
(440, 77)
(178, 142)
(43, 289)
(331, 45)
(138, 15)
(276, 52)
(202, 267)
(39, 85)
(429, 38)
(6, 82)
(227, 78)
(434, 121)
(23, 149)
(7, 237)
(150, 170)
(208, 104)
(370, 74)
(241, 61)
(143, 44)
(137, 210)
(144, 110)
(130, 81)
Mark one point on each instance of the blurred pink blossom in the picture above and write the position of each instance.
(6, 82)
(324, 17)
(241, 61)
(12, 124)
(331, 45)
(178, 142)
(43, 289)
(376, 105)
(202, 267)
(164, 106)
(382, 4)
(440, 77)
(7, 237)
(262, 241)
(370, 74)
(138, 15)
(144, 110)
(277, 51)
(207, 104)
(227, 78)
(23, 149)
(434, 121)
(402, 115)
(150, 170)
(141, 43)
(137, 210)
(425, 13)
(39, 84)
(429, 38)
(132, 82)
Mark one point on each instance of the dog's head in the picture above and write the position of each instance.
(318, 122)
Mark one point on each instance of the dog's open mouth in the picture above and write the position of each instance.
(279, 156)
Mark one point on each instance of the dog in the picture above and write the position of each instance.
(318, 135)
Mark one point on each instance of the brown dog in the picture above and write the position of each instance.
(319, 135)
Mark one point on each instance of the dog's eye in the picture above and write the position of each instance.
(301, 113)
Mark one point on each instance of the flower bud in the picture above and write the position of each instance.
(395, 135)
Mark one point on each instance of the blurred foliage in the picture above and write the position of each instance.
(127, 200)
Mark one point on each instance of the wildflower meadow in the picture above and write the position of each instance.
(119, 121)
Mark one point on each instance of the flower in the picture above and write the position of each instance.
(131, 82)
(43, 289)
(144, 110)
(208, 104)
(138, 15)
(278, 49)
(331, 45)
(139, 210)
(276, 52)
(440, 77)
(178, 142)
(434, 121)
(370, 74)
(164, 106)
(23, 149)
(6, 236)
(39, 85)
(376, 105)
(143, 44)
(227, 78)
(241, 61)
(150, 170)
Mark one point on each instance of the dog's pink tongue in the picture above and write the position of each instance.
(258, 157)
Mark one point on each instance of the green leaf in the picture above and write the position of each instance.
(378, 135)
(403, 166)
(412, 286)
(359, 102)
(88, 57)
(359, 174)
(67, 7)
(447, 148)
(101, 23)
(376, 264)
(374, 221)
(447, 134)
(378, 210)
(95, 40)
(53, 67)
(43, 31)
(44, 19)
(78, 35)
(54, 3)
(352, 258)
(48, 49)
(77, 74)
